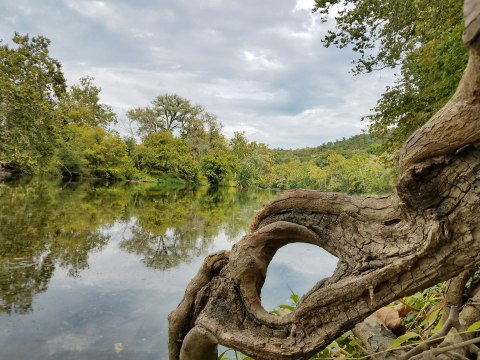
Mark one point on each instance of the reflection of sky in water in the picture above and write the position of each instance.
(296, 267)
(119, 300)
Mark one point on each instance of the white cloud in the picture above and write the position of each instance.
(92, 8)
(258, 61)
(304, 4)
(139, 33)
(238, 89)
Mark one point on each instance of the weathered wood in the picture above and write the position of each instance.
(389, 247)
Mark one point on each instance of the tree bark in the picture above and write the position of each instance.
(427, 231)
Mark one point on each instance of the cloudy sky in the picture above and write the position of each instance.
(258, 65)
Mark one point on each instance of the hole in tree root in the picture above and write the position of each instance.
(295, 268)
(391, 222)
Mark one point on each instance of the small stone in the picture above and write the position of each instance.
(118, 347)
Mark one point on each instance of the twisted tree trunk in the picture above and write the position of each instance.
(427, 231)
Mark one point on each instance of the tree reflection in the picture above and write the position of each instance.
(45, 225)
(171, 228)
(160, 251)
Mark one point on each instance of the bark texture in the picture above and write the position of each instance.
(427, 231)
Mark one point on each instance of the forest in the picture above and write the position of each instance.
(48, 127)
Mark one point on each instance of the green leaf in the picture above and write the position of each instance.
(295, 298)
(474, 327)
(430, 318)
(439, 325)
(401, 339)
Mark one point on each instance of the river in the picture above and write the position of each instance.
(90, 270)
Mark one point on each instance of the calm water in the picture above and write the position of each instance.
(90, 271)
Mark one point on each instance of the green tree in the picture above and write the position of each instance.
(162, 154)
(252, 171)
(31, 84)
(81, 105)
(420, 36)
(169, 112)
(217, 166)
(254, 161)
(177, 115)
(93, 151)
(240, 146)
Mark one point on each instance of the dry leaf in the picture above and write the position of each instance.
(390, 317)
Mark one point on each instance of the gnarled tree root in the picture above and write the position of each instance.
(426, 232)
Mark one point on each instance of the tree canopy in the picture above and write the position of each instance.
(81, 105)
(49, 127)
(169, 112)
(421, 37)
(31, 85)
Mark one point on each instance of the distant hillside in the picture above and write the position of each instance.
(319, 154)
(350, 166)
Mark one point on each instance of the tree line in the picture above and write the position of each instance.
(49, 127)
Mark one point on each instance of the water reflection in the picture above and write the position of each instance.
(85, 266)
(42, 226)
(48, 224)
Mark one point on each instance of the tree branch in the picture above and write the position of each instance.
(453, 317)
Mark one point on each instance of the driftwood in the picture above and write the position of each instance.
(426, 232)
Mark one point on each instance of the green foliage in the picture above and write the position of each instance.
(402, 339)
(474, 327)
(81, 105)
(349, 165)
(345, 346)
(167, 112)
(384, 33)
(430, 76)
(420, 36)
(162, 154)
(254, 161)
(294, 298)
(44, 128)
(217, 166)
(319, 154)
(179, 139)
(360, 174)
(31, 83)
(94, 152)
(425, 311)
(177, 115)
